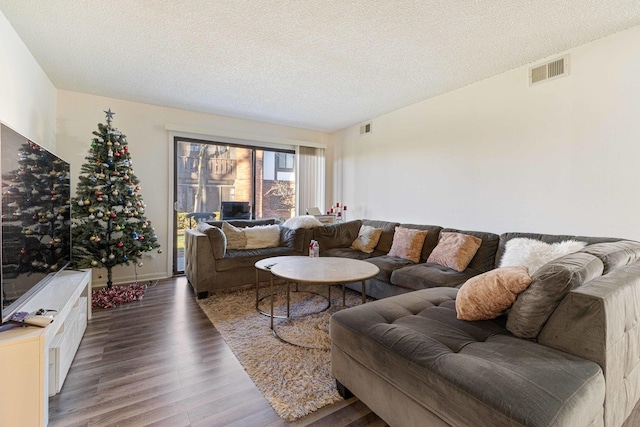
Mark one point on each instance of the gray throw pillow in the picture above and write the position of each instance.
(550, 284)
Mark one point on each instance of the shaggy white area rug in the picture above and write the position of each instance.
(296, 381)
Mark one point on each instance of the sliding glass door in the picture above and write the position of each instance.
(217, 181)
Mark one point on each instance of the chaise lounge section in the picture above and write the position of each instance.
(414, 363)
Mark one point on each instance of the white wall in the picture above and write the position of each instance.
(498, 155)
(27, 96)
(150, 147)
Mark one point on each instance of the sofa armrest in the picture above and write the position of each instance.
(199, 262)
(218, 242)
(599, 321)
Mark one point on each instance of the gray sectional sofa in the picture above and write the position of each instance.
(414, 363)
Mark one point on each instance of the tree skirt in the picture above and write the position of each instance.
(116, 295)
(296, 381)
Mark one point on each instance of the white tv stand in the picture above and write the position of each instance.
(35, 361)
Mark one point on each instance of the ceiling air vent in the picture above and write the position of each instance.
(549, 70)
(365, 128)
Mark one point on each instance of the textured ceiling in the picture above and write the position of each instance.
(317, 64)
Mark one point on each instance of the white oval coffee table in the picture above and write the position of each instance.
(323, 271)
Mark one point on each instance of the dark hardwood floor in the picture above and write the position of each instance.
(161, 362)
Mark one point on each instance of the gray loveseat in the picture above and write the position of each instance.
(210, 266)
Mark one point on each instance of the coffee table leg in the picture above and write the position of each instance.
(288, 297)
(257, 296)
(344, 304)
(271, 280)
(364, 291)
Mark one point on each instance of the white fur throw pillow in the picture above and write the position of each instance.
(303, 221)
(266, 236)
(534, 253)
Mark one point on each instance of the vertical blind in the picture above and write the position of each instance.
(311, 179)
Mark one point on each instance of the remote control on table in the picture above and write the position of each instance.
(19, 316)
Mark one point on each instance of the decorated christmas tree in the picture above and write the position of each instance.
(109, 226)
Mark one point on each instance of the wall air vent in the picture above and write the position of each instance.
(365, 128)
(549, 70)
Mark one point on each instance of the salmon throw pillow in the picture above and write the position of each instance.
(488, 295)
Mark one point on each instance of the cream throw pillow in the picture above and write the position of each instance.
(488, 295)
(260, 237)
(236, 238)
(367, 240)
(455, 250)
(407, 243)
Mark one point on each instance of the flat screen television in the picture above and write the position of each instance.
(235, 210)
(36, 218)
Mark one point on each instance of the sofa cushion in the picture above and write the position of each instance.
(464, 371)
(550, 284)
(490, 294)
(386, 238)
(455, 250)
(350, 253)
(296, 239)
(484, 259)
(246, 258)
(367, 240)
(615, 254)
(407, 243)
(535, 253)
(339, 235)
(422, 276)
(236, 238)
(387, 265)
